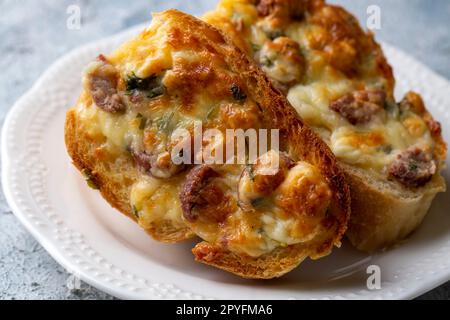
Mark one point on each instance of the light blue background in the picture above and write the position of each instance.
(33, 34)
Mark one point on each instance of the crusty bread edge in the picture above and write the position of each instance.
(380, 219)
(269, 266)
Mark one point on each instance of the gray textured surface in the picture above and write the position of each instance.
(33, 34)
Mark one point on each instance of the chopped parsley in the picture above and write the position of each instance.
(90, 179)
(238, 93)
(385, 149)
(273, 34)
(151, 86)
(413, 166)
(136, 212)
(136, 83)
(256, 47)
(393, 109)
(259, 202)
(211, 112)
(164, 122)
(266, 61)
(156, 92)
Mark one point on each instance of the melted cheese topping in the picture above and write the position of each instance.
(340, 58)
(291, 214)
(154, 200)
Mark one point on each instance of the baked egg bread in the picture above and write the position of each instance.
(338, 80)
(177, 73)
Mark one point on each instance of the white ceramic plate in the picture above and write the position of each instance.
(105, 249)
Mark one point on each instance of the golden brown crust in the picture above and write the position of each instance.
(380, 217)
(269, 266)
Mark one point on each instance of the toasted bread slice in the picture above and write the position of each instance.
(178, 71)
(338, 80)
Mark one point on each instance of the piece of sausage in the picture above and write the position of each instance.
(360, 107)
(159, 165)
(102, 84)
(201, 197)
(282, 9)
(413, 167)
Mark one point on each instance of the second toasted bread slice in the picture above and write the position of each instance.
(339, 81)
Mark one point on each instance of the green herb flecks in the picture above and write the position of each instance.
(256, 47)
(136, 83)
(156, 92)
(164, 122)
(265, 61)
(393, 109)
(151, 86)
(211, 112)
(136, 212)
(413, 166)
(387, 149)
(258, 203)
(273, 34)
(142, 121)
(88, 176)
(238, 93)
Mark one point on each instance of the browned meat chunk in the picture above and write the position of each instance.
(204, 198)
(159, 165)
(282, 9)
(413, 168)
(359, 107)
(102, 84)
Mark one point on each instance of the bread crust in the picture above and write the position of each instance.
(382, 217)
(268, 266)
(298, 140)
